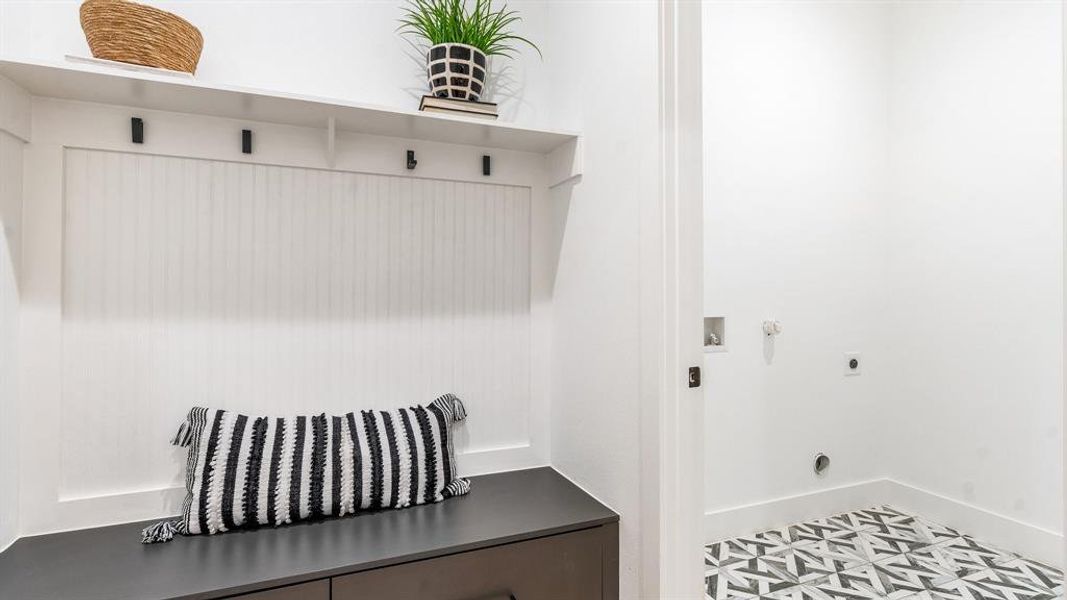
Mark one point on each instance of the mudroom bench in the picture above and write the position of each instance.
(522, 535)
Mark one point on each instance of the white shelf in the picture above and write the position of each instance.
(105, 85)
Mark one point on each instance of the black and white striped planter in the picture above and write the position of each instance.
(456, 71)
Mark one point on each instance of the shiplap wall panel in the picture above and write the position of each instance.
(10, 225)
(279, 290)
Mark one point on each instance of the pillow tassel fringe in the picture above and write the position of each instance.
(458, 487)
(453, 406)
(459, 411)
(184, 437)
(160, 532)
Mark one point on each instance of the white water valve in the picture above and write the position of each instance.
(772, 327)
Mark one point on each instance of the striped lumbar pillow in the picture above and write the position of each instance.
(252, 471)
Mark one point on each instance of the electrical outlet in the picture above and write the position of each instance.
(853, 363)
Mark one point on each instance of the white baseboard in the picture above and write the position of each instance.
(750, 518)
(1008, 533)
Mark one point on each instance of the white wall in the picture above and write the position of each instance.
(612, 99)
(10, 223)
(795, 139)
(976, 215)
(182, 272)
(333, 48)
(887, 178)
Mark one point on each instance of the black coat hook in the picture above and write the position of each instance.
(411, 160)
(486, 165)
(137, 130)
(246, 141)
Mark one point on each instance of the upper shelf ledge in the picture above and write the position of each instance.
(89, 83)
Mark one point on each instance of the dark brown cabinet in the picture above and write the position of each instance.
(569, 566)
(580, 565)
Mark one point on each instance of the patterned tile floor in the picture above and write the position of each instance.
(874, 553)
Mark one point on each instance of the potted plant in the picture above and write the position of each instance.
(461, 41)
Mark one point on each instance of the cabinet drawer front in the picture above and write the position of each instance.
(314, 590)
(559, 567)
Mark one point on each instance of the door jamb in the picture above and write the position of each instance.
(672, 299)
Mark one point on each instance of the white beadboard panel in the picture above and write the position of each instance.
(10, 221)
(278, 290)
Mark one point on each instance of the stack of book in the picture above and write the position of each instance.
(453, 106)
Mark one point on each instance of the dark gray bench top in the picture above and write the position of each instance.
(110, 563)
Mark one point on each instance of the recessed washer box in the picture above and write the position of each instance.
(714, 334)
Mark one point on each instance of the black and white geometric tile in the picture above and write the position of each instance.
(874, 553)
(842, 553)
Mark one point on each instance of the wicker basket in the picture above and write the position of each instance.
(134, 33)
